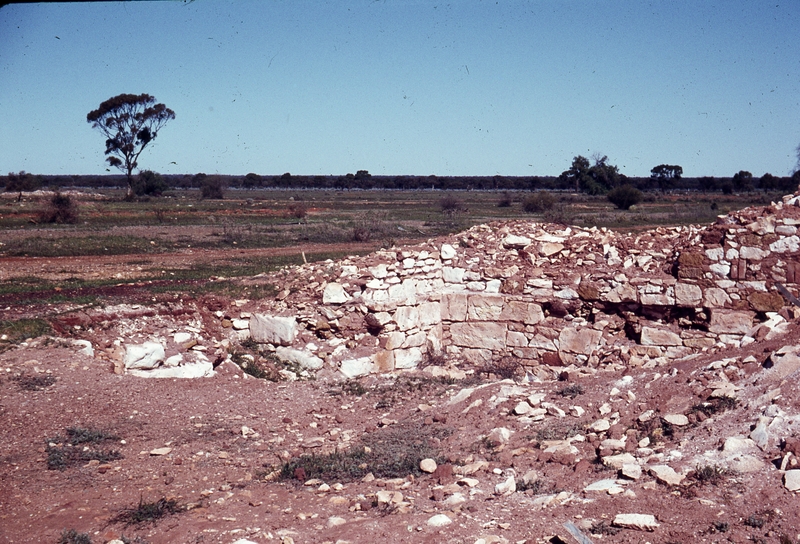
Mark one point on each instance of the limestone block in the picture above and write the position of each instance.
(454, 307)
(302, 358)
(430, 313)
(516, 242)
(453, 275)
(415, 340)
(688, 294)
(395, 340)
(728, 322)
(716, 298)
(199, 369)
(583, 340)
(407, 317)
(279, 331)
(379, 271)
(407, 358)
(752, 253)
(484, 307)
(656, 299)
(524, 312)
(624, 292)
(447, 252)
(334, 293)
(384, 361)
(722, 270)
(487, 335)
(785, 245)
(516, 339)
(642, 522)
(353, 368)
(659, 337)
(144, 356)
(548, 249)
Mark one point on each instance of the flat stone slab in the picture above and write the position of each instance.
(642, 522)
(666, 474)
(679, 420)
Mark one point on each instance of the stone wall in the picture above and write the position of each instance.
(543, 294)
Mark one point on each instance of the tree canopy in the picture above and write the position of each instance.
(129, 122)
(595, 179)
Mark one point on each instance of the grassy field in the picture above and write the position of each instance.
(270, 218)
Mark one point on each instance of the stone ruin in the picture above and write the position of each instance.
(546, 295)
(519, 294)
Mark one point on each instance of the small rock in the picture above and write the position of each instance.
(791, 480)
(666, 474)
(439, 520)
(427, 465)
(334, 293)
(600, 425)
(335, 521)
(632, 471)
(160, 451)
(507, 487)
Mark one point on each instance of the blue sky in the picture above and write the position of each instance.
(466, 87)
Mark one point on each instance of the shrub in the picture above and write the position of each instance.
(212, 187)
(60, 209)
(149, 183)
(538, 202)
(505, 200)
(450, 205)
(624, 197)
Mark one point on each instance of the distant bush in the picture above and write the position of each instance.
(538, 202)
(212, 187)
(450, 205)
(505, 200)
(624, 197)
(149, 183)
(60, 209)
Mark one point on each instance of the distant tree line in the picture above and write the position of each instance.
(597, 177)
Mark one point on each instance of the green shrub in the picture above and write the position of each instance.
(149, 183)
(624, 197)
(212, 187)
(538, 202)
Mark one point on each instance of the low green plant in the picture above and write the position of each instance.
(624, 197)
(505, 368)
(538, 202)
(14, 332)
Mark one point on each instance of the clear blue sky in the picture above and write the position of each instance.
(465, 87)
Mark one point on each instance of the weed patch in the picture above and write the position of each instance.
(63, 453)
(14, 332)
(391, 452)
(148, 512)
(558, 431)
(74, 537)
(505, 368)
(571, 391)
(27, 382)
(708, 474)
(715, 405)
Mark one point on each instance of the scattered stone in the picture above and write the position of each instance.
(428, 465)
(642, 522)
(439, 520)
(666, 475)
(144, 356)
(679, 420)
(791, 480)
